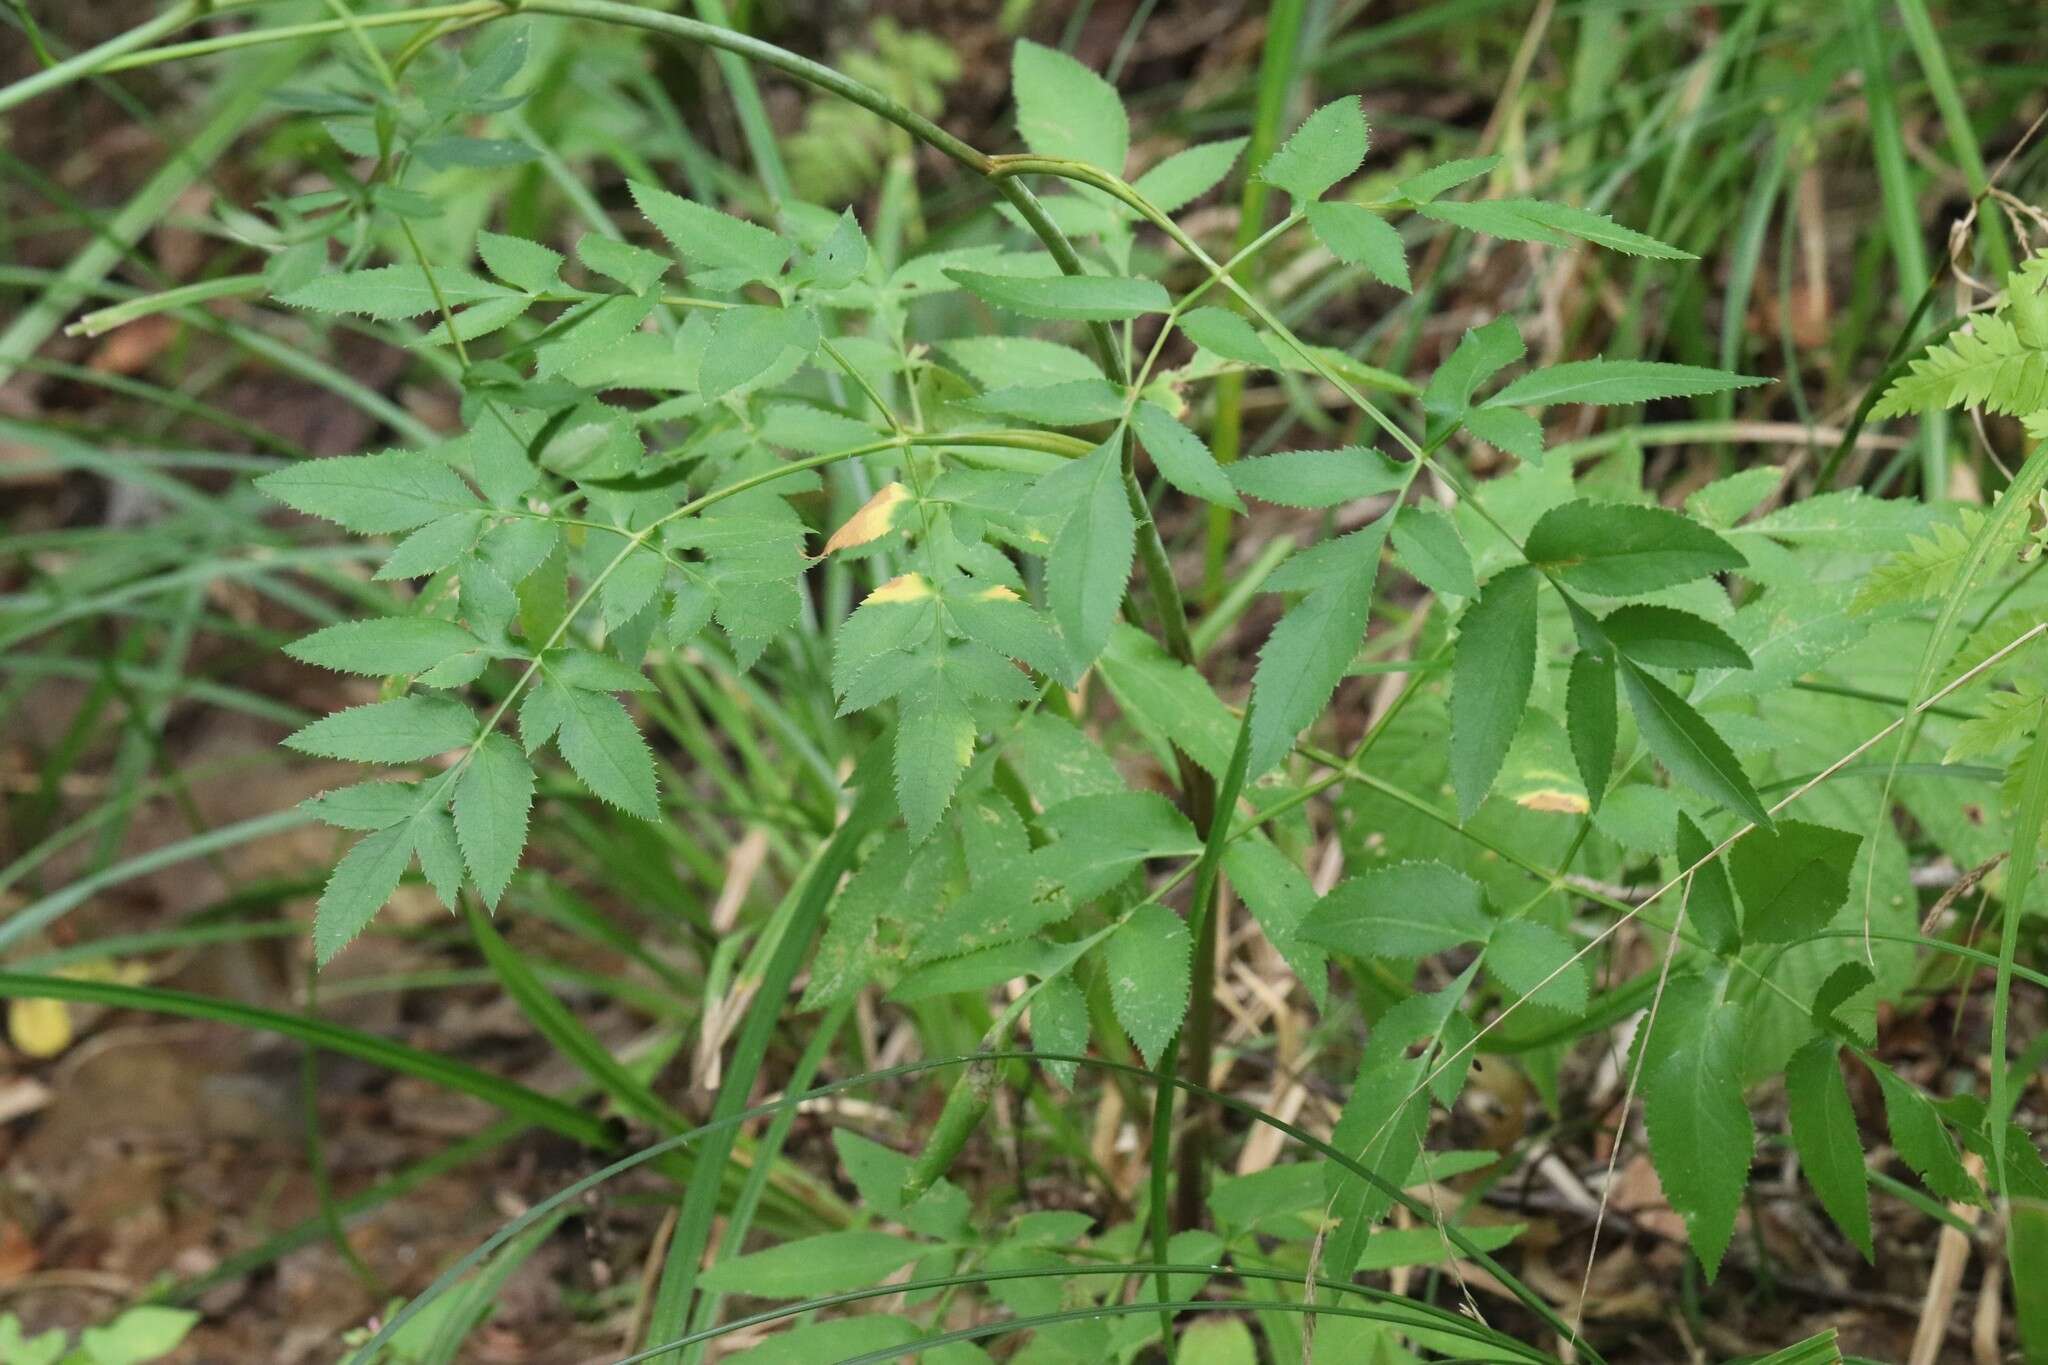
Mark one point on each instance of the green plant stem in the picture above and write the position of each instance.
(670, 1314)
(1277, 63)
(455, 1272)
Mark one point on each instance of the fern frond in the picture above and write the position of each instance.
(1925, 569)
(2007, 718)
(2000, 364)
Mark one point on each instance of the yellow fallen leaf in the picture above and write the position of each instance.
(38, 1028)
(875, 519)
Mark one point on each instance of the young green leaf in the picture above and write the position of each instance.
(1792, 879)
(1328, 146)
(1357, 235)
(1688, 747)
(492, 799)
(1404, 910)
(403, 730)
(1824, 1133)
(1611, 383)
(1147, 964)
(1589, 718)
(1317, 478)
(1492, 669)
(362, 881)
(1066, 110)
(1181, 457)
(372, 494)
(1666, 637)
(1076, 298)
(1621, 550)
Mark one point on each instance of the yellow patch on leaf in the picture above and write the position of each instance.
(905, 587)
(1558, 802)
(875, 519)
(1000, 593)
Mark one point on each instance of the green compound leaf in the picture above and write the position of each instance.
(1181, 457)
(1534, 961)
(1066, 110)
(1621, 550)
(1533, 220)
(1357, 235)
(1317, 478)
(372, 494)
(1189, 174)
(830, 1263)
(1709, 901)
(390, 292)
(1312, 647)
(1146, 961)
(1329, 145)
(1689, 748)
(1610, 383)
(520, 263)
(362, 881)
(934, 742)
(605, 749)
(1824, 1133)
(384, 646)
(1792, 879)
(1921, 1140)
(492, 799)
(1492, 669)
(1406, 910)
(710, 241)
(1666, 637)
(1701, 1137)
(1229, 335)
(1074, 298)
(1590, 717)
(403, 730)
(1427, 544)
(1090, 559)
